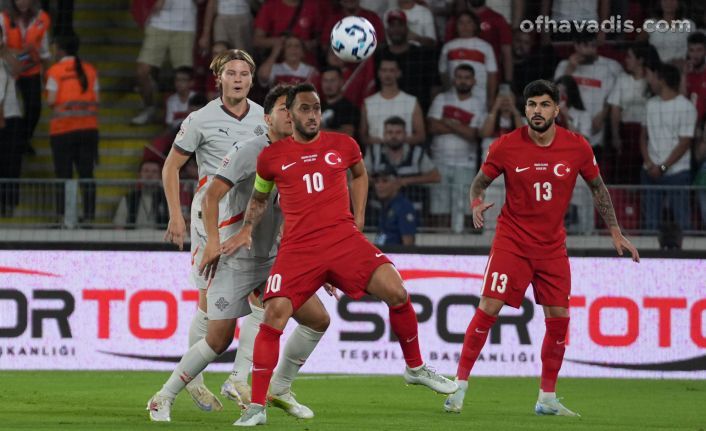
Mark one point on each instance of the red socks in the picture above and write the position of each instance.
(553, 349)
(473, 342)
(403, 320)
(265, 356)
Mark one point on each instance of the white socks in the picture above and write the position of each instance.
(296, 351)
(546, 396)
(192, 363)
(197, 331)
(246, 343)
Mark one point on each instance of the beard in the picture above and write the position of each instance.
(463, 90)
(302, 131)
(543, 128)
(393, 145)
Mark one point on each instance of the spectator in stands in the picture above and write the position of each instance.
(419, 75)
(391, 101)
(170, 29)
(504, 117)
(301, 18)
(695, 75)
(377, 6)
(513, 11)
(627, 110)
(665, 144)
(420, 22)
(11, 137)
(25, 29)
(351, 8)
(578, 10)
(572, 113)
(231, 21)
(671, 45)
(358, 78)
(72, 92)
(145, 207)
(212, 90)
(338, 114)
(285, 64)
(397, 221)
(414, 168)
(700, 180)
(595, 76)
(530, 61)
(468, 48)
(177, 109)
(454, 119)
(492, 28)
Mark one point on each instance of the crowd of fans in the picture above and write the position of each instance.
(445, 81)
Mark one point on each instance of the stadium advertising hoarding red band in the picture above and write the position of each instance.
(131, 310)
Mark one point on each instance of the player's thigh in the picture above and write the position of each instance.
(226, 295)
(506, 277)
(295, 275)
(386, 284)
(313, 314)
(220, 334)
(154, 47)
(552, 282)
(352, 264)
(181, 48)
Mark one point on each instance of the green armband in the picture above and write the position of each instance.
(262, 185)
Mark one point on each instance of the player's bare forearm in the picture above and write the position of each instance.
(603, 203)
(256, 209)
(209, 208)
(480, 183)
(170, 180)
(359, 192)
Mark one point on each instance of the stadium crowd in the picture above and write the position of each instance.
(445, 81)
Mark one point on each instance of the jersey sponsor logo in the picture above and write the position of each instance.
(519, 169)
(560, 169)
(224, 131)
(285, 167)
(333, 158)
(310, 158)
(541, 166)
(379, 254)
(259, 130)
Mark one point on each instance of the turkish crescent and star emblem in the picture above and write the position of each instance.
(333, 158)
(561, 169)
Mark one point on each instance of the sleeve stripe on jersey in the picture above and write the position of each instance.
(181, 150)
(262, 185)
(225, 180)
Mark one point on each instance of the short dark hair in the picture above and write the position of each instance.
(389, 58)
(332, 69)
(539, 88)
(186, 70)
(696, 38)
(275, 93)
(647, 53)
(395, 121)
(670, 75)
(467, 67)
(198, 99)
(304, 87)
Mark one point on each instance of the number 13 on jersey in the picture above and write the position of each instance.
(543, 191)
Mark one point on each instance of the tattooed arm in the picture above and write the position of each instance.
(478, 187)
(253, 215)
(602, 202)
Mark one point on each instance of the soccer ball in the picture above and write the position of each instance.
(353, 39)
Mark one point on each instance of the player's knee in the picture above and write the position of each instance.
(277, 313)
(322, 322)
(219, 344)
(397, 296)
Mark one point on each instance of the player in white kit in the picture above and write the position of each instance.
(235, 180)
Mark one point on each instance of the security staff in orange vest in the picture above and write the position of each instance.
(72, 92)
(26, 33)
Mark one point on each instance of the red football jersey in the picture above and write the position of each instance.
(539, 182)
(312, 183)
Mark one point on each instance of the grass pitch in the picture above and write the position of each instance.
(80, 401)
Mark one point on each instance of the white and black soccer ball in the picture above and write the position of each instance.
(353, 39)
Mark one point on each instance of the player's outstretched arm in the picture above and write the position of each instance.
(209, 211)
(359, 193)
(176, 228)
(602, 202)
(253, 215)
(480, 183)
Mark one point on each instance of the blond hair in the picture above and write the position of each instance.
(220, 61)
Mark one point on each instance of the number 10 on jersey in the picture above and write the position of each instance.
(314, 182)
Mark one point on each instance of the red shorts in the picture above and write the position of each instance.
(507, 276)
(348, 264)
